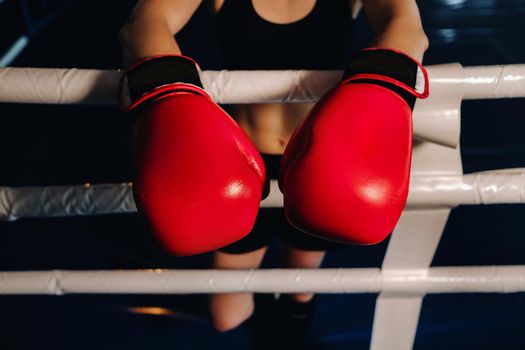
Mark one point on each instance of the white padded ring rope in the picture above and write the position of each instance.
(493, 279)
(490, 187)
(84, 86)
(60, 201)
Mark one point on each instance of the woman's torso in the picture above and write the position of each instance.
(276, 35)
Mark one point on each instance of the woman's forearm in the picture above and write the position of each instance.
(145, 39)
(397, 24)
(405, 36)
(151, 28)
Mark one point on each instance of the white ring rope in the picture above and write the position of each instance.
(487, 279)
(84, 86)
(489, 187)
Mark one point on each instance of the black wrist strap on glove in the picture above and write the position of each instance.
(145, 79)
(391, 69)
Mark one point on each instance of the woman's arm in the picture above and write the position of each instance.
(397, 25)
(150, 29)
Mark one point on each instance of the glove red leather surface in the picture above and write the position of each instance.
(198, 178)
(345, 172)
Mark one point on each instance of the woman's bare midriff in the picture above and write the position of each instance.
(269, 126)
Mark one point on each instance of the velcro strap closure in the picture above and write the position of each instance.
(390, 66)
(155, 75)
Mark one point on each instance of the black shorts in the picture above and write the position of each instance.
(272, 221)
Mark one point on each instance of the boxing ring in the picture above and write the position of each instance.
(437, 185)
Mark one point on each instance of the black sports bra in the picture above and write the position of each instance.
(318, 41)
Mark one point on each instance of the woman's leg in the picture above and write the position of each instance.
(298, 258)
(230, 310)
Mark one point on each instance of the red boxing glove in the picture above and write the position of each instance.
(345, 172)
(198, 177)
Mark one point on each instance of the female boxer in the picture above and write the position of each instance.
(272, 34)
